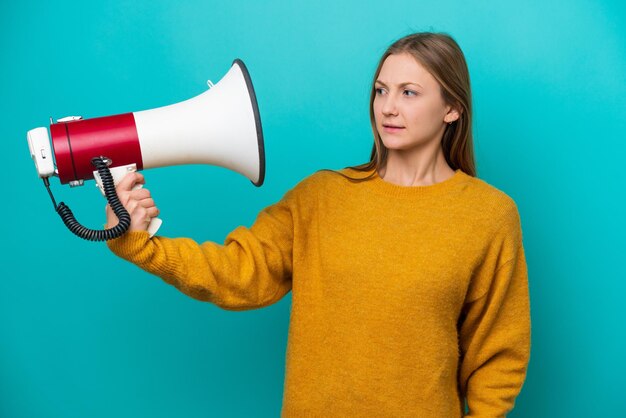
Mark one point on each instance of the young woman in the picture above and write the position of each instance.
(408, 275)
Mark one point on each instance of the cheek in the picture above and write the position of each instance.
(423, 113)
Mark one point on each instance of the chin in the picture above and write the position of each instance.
(398, 144)
(401, 143)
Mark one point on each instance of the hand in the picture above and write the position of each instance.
(138, 203)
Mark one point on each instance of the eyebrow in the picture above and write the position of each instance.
(406, 83)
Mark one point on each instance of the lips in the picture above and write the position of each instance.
(392, 129)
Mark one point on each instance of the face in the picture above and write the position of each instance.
(408, 108)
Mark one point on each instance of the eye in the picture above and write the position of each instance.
(409, 93)
(379, 91)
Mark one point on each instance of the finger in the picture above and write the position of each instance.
(130, 180)
(141, 214)
(138, 216)
(139, 194)
(141, 218)
(132, 206)
(146, 203)
(153, 212)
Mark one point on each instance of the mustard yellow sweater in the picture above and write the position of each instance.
(405, 300)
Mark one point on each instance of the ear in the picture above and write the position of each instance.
(453, 114)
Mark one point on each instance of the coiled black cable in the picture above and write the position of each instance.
(111, 195)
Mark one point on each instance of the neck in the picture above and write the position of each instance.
(416, 167)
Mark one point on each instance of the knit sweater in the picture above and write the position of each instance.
(406, 301)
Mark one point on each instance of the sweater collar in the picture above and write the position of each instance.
(382, 186)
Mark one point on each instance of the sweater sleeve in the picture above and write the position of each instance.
(494, 332)
(250, 270)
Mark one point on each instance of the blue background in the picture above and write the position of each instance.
(83, 333)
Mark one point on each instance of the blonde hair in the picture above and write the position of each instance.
(442, 57)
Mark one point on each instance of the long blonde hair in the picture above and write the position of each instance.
(442, 57)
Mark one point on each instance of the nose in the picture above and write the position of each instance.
(389, 107)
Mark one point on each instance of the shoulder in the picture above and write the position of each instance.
(325, 178)
(494, 204)
(325, 183)
(309, 187)
(490, 193)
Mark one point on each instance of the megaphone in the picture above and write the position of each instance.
(221, 127)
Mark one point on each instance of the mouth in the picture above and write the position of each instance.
(392, 129)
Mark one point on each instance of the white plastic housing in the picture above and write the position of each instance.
(41, 151)
(217, 127)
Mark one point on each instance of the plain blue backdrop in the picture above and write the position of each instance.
(85, 334)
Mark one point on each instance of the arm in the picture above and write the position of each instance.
(251, 270)
(494, 332)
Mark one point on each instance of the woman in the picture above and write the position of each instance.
(408, 276)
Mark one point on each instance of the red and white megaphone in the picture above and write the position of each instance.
(219, 127)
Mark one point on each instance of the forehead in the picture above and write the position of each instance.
(401, 68)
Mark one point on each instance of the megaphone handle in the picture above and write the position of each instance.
(155, 223)
(154, 226)
(118, 173)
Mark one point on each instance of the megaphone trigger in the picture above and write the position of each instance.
(118, 174)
